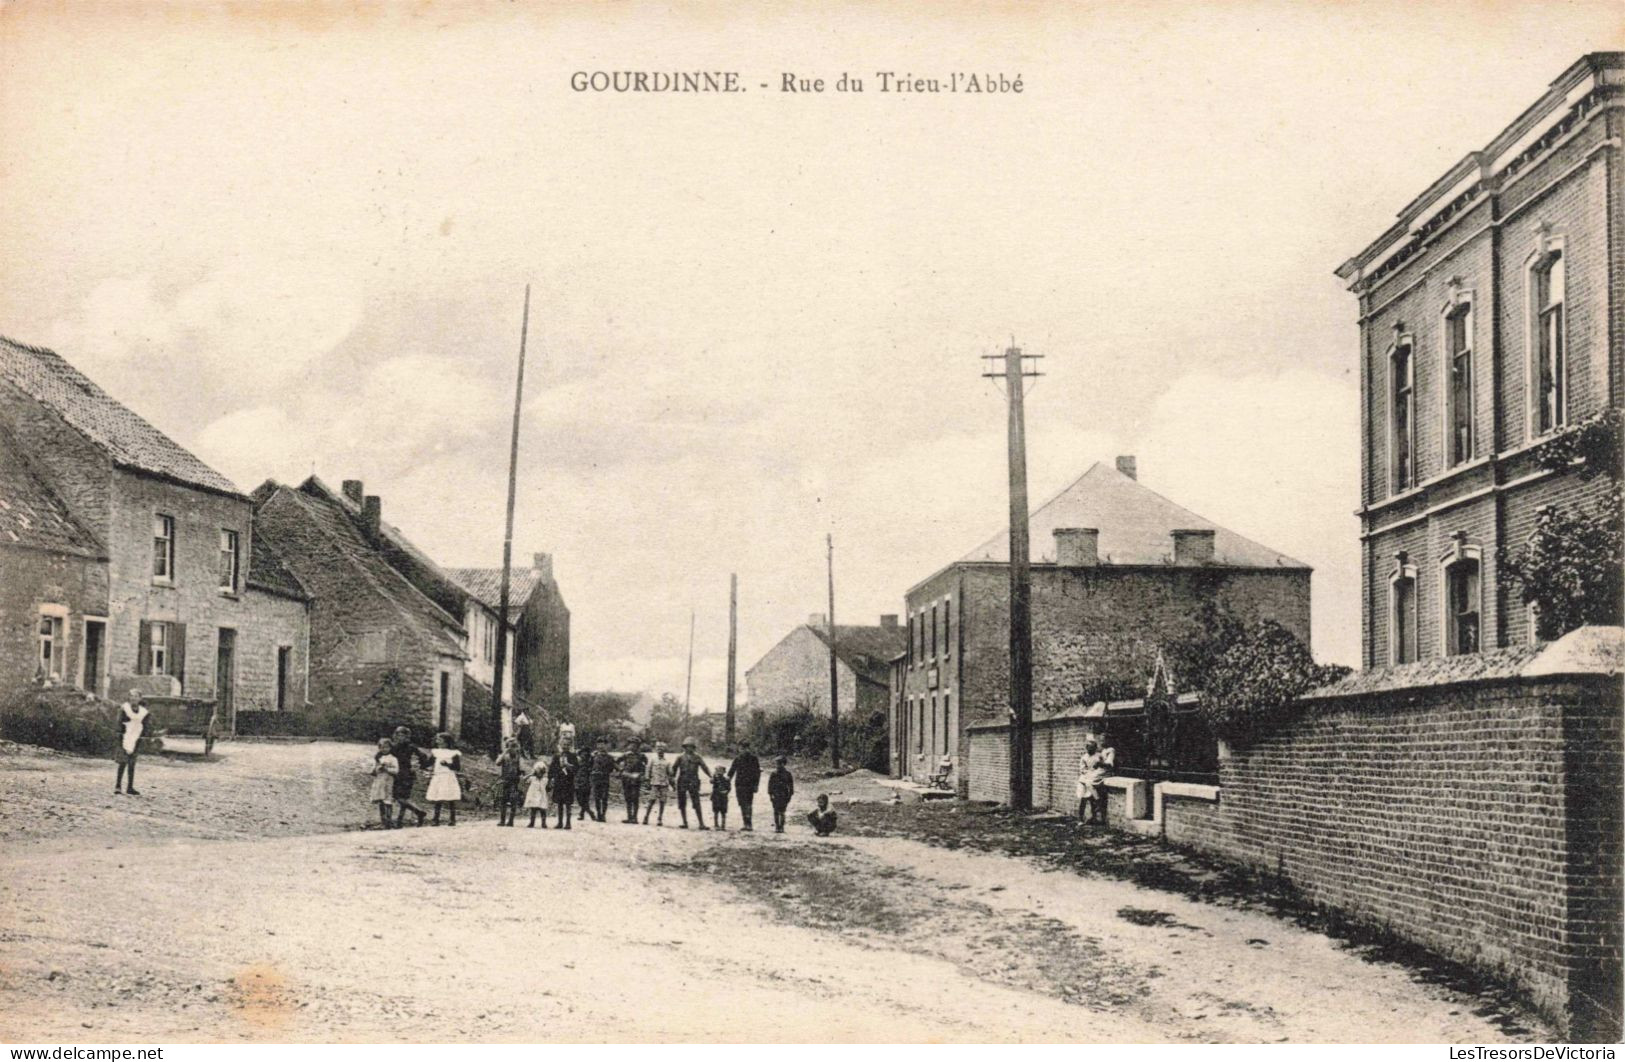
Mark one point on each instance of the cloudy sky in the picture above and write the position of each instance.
(296, 237)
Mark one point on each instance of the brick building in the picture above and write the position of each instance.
(794, 673)
(1117, 572)
(383, 651)
(539, 647)
(1492, 316)
(185, 602)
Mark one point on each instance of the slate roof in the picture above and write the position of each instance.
(1135, 524)
(130, 441)
(486, 584)
(868, 651)
(267, 572)
(31, 514)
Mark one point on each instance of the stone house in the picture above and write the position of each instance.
(794, 674)
(1492, 317)
(1118, 571)
(539, 651)
(186, 604)
(383, 651)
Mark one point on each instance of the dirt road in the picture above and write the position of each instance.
(178, 921)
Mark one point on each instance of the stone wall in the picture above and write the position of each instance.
(32, 579)
(795, 672)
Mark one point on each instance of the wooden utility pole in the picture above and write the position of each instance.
(733, 651)
(498, 716)
(834, 673)
(1014, 373)
(688, 687)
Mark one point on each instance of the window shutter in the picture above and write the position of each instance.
(143, 648)
(177, 652)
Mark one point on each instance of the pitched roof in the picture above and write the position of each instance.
(130, 441)
(31, 514)
(1135, 523)
(267, 572)
(428, 619)
(868, 651)
(486, 584)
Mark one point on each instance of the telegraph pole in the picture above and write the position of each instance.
(688, 687)
(1014, 373)
(497, 715)
(733, 652)
(834, 673)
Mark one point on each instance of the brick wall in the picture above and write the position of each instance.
(1480, 819)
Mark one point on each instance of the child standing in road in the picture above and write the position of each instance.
(719, 798)
(384, 768)
(659, 784)
(536, 794)
(444, 788)
(780, 787)
(510, 769)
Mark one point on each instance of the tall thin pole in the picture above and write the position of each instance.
(688, 688)
(733, 653)
(834, 673)
(1021, 628)
(498, 717)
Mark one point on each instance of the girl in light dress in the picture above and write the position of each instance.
(536, 794)
(384, 769)
(444, 789)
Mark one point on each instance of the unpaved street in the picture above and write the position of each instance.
(219, 910)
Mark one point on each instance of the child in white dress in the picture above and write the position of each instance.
(536, 794)
(444, 789)
(384, 769)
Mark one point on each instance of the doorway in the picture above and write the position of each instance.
(95, 640)
(225, 671)
(445, 699)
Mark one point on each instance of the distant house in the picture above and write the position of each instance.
(128, 561)
(794, 674)
(1117, 571)
(387, 641)
(540, 654)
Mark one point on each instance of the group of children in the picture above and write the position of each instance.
(568, 779)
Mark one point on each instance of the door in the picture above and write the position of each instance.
(225, 671)
(445, 698)
(95, 637)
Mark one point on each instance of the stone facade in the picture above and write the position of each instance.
(794, 674)
(1448, 322)
(539, 645)
(41, 582)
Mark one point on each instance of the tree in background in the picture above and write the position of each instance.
(667, 720)
(595, 715)
(1572, 568)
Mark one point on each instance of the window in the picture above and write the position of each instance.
(1458, 329)
(158, 648)
(1403, 419)
(1402, 637)
(947, 626)
(51, 647)
(228, 560)
(1461, 580)
(163, 547)
(947, 740)
(936, 646)
(1549, 378)
(919, 732)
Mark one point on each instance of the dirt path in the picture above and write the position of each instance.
(174, 921)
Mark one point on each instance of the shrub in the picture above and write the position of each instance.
(66, 719)
(1253, 686)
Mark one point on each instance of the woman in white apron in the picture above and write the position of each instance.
(132, 720)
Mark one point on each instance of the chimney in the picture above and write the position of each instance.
(1126, 465)
(817, 619)
(1193, 548)
(352, 490)
(371, 515)
(1077, 547)
(888, 621)
(542, 564)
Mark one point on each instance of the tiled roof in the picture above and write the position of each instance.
(267, 572)
(30, 512)
(1135, 523)
(486, 584)
(868, 651)
(125, 437)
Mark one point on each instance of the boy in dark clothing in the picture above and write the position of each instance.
(746, 776)
(822, 817)
(408, 756)
(719, 799)
(633, 767)
(780, 788)
(509, 769)
(688, 767)
(603, 768)
(561, 776)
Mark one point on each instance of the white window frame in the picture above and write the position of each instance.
(158, 648)
(166, 523)
(1396, 486)
(57, 639)
(1460, 552)
(1403, 569)
(236, 553)
(1547, 247)
(1461, 302)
